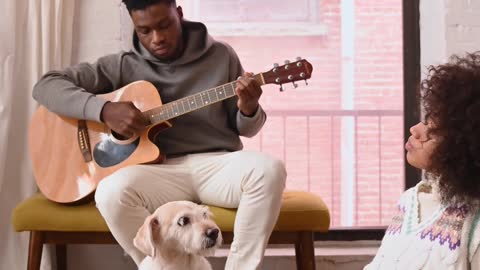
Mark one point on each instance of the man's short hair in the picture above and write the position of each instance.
(143, 4)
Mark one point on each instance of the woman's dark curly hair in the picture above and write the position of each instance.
(451, 100)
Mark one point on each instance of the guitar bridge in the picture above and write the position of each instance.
(84, 140)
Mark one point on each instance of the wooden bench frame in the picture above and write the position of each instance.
(303, 241)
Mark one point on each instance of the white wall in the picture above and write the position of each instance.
(447, 26)
(463, 26)
(432, 29)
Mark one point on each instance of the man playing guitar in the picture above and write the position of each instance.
(203, 158)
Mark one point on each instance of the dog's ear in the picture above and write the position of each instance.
(147, 236)
(207, 212)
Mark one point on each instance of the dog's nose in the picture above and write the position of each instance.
(212, 234)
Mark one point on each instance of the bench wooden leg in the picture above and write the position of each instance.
(35, 248)
(304, 251)
(61, 256)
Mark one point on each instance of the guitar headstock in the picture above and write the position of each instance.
(289, 73)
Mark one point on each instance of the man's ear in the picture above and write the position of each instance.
(180, 12)
(148, 236)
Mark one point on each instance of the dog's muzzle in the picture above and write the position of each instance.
(211, 236)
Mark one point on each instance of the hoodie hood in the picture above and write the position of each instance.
(197, 43)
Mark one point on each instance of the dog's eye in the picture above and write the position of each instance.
(183, 221)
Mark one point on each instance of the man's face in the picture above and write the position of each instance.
(159, 29)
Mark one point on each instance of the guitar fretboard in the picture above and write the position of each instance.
(188, 104)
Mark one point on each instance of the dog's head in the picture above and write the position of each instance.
(182, 226)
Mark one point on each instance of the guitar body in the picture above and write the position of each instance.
(60, 169)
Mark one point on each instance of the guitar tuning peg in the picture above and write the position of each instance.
(298, 58)
(306, 83)
(281, 88)
(275, 65)
(295, 85)
(287, 62)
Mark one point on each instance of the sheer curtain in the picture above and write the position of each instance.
(36, 36)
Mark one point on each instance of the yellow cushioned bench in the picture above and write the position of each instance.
(301, 215)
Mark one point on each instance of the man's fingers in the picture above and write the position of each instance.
(241, 81)
(248, 74)
(256, 90)
(244, 87)
(125, 131)
(141, 121)
(137, 125)
(243, 93)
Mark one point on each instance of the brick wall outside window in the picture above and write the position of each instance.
(304, 124)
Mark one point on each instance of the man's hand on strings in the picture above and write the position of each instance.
(123, 118)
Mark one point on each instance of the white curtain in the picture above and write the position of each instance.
(35, 37)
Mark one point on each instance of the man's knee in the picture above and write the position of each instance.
(117, 188)
(275, 174)
(272, 171)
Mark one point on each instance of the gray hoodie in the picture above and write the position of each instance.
(204, 64)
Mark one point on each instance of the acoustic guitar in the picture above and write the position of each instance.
(85, 152)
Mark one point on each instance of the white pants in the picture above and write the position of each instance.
(250, 181)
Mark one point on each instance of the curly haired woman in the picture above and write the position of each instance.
(437, 225)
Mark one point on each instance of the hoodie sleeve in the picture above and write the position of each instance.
(244, 125)
(72, 92)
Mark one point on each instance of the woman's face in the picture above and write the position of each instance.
(420, 146)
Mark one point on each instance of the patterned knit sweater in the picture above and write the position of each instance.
(426, 235)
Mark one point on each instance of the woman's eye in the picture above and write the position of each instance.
(183, 221)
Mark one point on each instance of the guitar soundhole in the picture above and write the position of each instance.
(108, 153)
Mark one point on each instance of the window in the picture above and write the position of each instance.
(341, 136)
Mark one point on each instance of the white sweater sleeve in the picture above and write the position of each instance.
(475, 263)
(474, 242)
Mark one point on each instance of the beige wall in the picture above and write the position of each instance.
(96, 29)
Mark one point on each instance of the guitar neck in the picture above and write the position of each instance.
(194, 102)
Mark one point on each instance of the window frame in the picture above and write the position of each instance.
(411, 81)
(312, 27)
